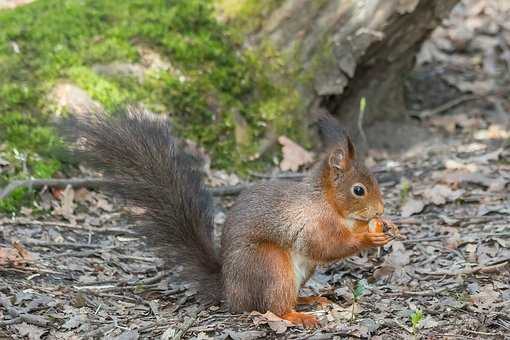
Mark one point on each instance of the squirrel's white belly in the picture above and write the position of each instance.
(302, 268)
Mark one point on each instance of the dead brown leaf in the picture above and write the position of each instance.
(66, 208)
(456, 178)
(30, 331)
(440, 194)
(274, 322)
(412, 206)
(15, 257)
(494, 131)
(294, 155)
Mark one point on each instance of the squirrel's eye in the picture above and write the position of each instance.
(358, 190)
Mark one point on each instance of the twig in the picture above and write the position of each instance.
(66, 245)
(446, 106)
(440, 238)
(95, 183)
(185, 326)
(18, 316)
(56, 224)
(497, 265)
(11, 321)
(27, 270)
(430, 292)
(483, 333)
(109, 286)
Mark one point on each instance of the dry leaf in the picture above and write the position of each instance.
(494, 131)
(17, 256)
(103, 204)
(22, 251)
(294, 156)
(66, 208)
(246, 335)
(412, 206)
(384, 271)
(30, 331)
(274, 322)
(346, 313)
(458, 177)
(440, 194)
(485, 299)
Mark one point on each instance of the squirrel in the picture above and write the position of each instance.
(275, 234)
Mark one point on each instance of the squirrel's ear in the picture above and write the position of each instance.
(340, 157)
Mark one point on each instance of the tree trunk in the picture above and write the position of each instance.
(346, 50)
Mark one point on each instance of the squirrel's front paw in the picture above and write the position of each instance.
(384, 225)
(375, 239)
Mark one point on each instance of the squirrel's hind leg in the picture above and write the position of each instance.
(262, 278)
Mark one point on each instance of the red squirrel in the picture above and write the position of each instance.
(274, 236)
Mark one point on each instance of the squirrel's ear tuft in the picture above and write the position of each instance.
(341, 156)
(338, 159)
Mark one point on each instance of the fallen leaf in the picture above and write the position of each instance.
(488, 157)
(428, 322)
(458, 177)
(127, 335)
(399, 256)
(103, 204)
(73, 322)
(294, 155)
(346, 313)
(274, 322)
(484, 300)
(32, 332)
(16, 257)
(494, 131)
(440, 194)
(383, 271)
(22, 251)
(246, 335)
(66, 208)
(412, 206)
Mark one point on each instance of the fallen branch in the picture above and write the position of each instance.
(430, 292)
(66, 245)
(188, 322)
(495, 266)
(20, 316)
(446, 106)
(41, 183)
(96, 183)
(56, 224)
(440, 238)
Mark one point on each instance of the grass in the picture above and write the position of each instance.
(53, 40)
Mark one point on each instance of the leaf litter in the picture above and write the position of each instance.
(79, 272)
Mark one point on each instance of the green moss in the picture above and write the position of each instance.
(210, 82)
(246, 15)
(99, 88)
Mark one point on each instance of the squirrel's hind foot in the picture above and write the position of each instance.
(302, 319)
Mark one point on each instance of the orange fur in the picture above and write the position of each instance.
(310, 300)
(307, 321)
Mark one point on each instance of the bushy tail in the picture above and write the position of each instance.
(143, 165)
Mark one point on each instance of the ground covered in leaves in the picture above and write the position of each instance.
(80, 271)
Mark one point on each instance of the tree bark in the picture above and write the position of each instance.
(346, 50)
